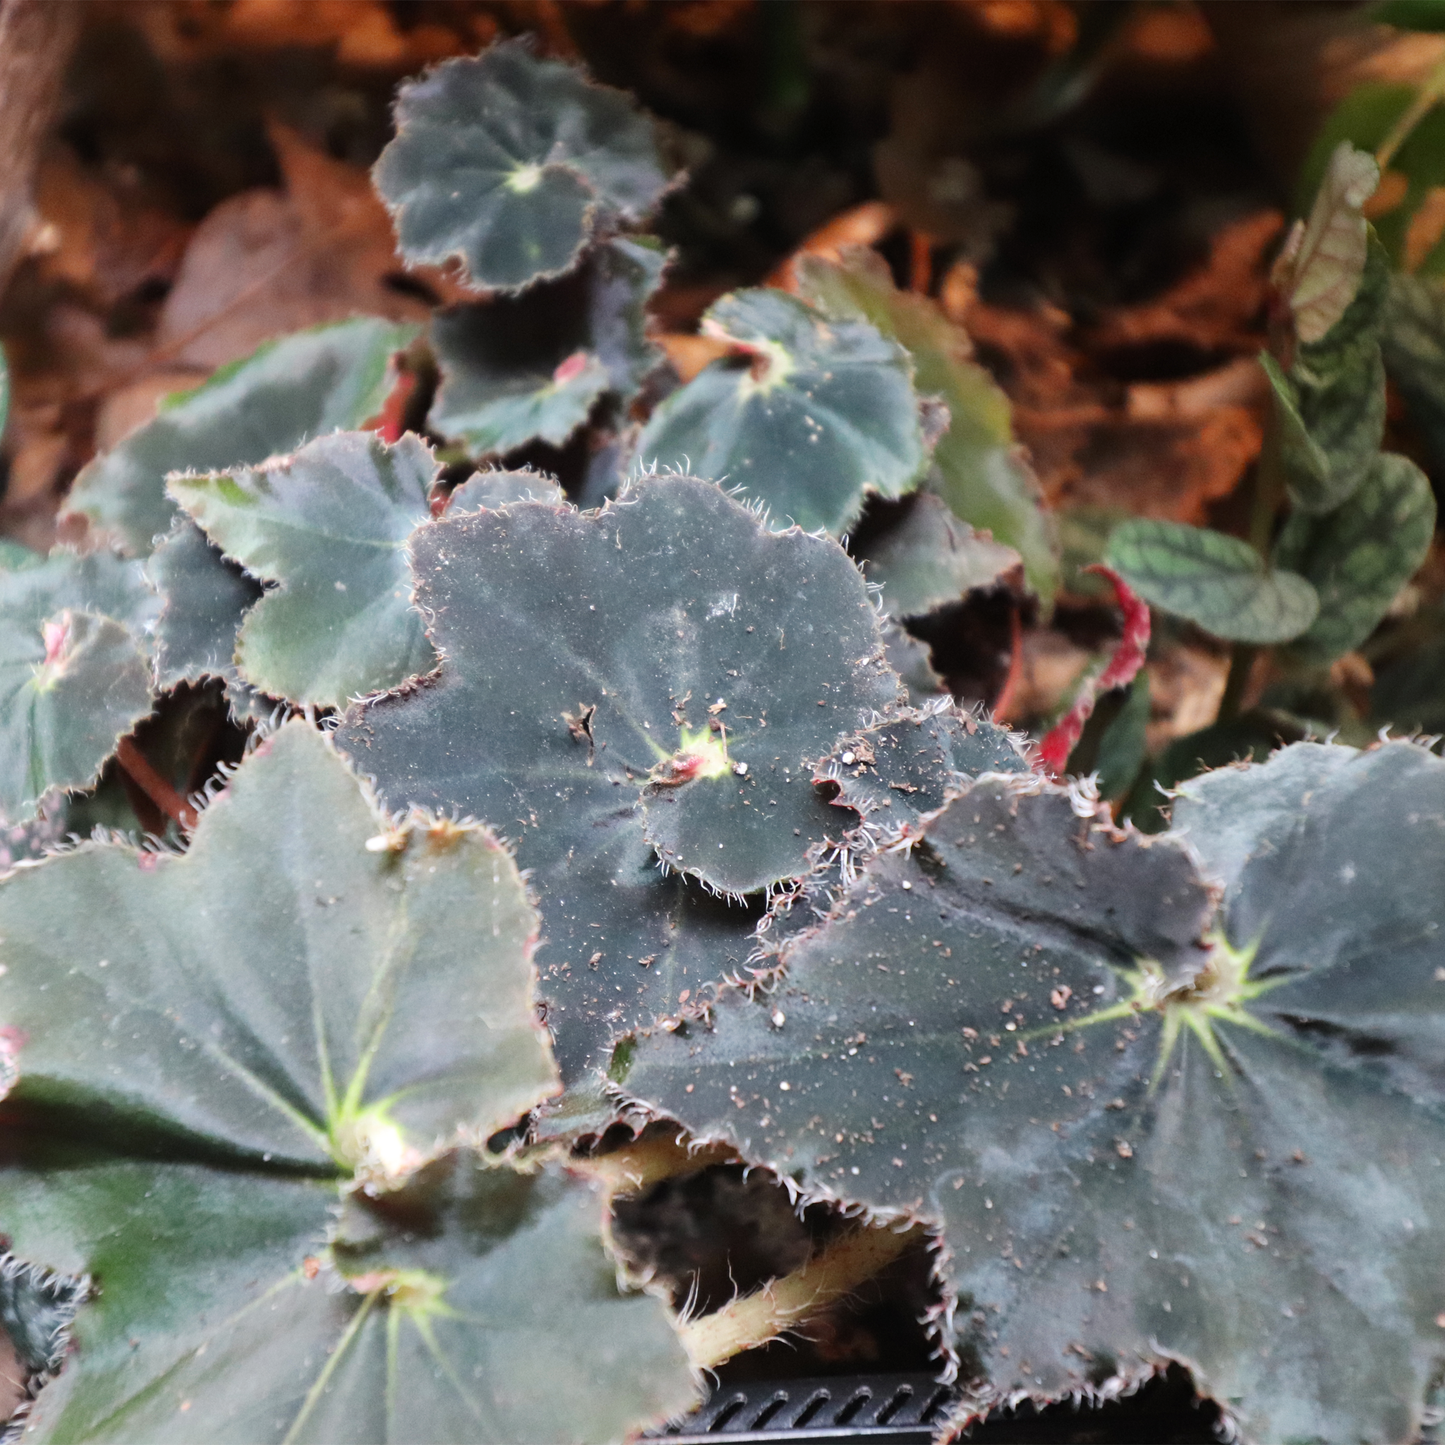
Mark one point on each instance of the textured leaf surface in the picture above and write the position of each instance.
(480, 1307)
(1250, 737)
(281, 396)
(1321, 267)
(501, 489)
(1359, 557)
(73, 678)
(1242, 1170)
(205, 600)
(280, 990)
(930, 558)
(519, 369)
(513, 164)
(1414, 347)
(330, 526)
(68, 692)
(585, 657)
(896, 774)
(808, 417)
(1217, 581)
(978, 469)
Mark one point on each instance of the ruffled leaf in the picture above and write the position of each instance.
(653, 674)
(474, 1304)
(273, 401)
(283, 990)
(808, 416)
(514, 164)
(501, 489)
(1130, 1156)
(532, 367)
(74, 677)
(978, 468)
(930, 558)
(330, 526)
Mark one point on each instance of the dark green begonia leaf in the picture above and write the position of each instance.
(912, 660)
(271, 402)
(897, 773)
(531, 367)
(474, 1304)
(36, 1310)
(74, 677)
(808, 417)
(1251, 736)
(285, 989)
(1359, 556)
(205, 599)
(929, 558)
(655, 673)
(1240, 1167)
(978, 468)
(500, 489)
(1214, 580)
(513, 164)
(330, 526)
(1414, 348)
(69, 691)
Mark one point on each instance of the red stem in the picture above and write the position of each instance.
(144, 776)
(1119, 671)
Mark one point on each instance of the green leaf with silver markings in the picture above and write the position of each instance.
(1414, 348)
(1218, 582)
(1359, 556)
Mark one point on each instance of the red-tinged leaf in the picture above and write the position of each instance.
(1119, 671)
(389, 422)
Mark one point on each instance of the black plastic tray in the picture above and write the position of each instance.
(903, 1409)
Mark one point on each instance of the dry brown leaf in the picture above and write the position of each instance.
(863, 225)
(1185, 686)
(1216, 308)
(100, 238)
(1163, 449)
(364, 32)
(267, 262)
(689, 354)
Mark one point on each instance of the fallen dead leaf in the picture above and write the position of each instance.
(97, 234)
(864, 225)
(267, 262)
(1163, 448)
